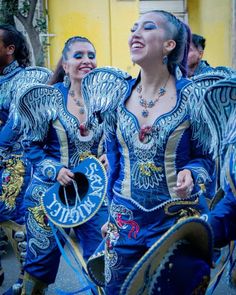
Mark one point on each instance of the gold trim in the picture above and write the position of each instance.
(62, 137)
(126, 188)
(177, 203)
(170, 154)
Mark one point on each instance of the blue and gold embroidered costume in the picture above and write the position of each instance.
(15, 168)
(55, 142)
(12, 168)
(143, 168)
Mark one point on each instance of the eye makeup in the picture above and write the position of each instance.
(147, 26)
(80, 54)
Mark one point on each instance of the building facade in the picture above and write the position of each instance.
(107, 24)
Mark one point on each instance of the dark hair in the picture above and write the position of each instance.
(58, 74)
(12, 36)
(198, 41)
(71, 41)
(181, 34)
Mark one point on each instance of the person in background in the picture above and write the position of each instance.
(14, 58)
(196, 65)
(54, 151)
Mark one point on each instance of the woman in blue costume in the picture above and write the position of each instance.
(156, 168)
(13, 61)
(15, 172)
(54, 152)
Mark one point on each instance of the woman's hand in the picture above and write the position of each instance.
(104, 229)
(103, 160)
(65, 176)
(184, 184)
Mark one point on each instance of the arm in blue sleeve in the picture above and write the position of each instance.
(223, 219)
(203, 169)
(8, 137)
(48, 166)
(113, 156)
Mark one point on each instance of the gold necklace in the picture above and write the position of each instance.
(149, 103)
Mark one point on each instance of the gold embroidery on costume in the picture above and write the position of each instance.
(126, 189)
(148, 168)
(181, 210)
(201, 289)
(39, 216)
(84, 155)
(13, 177)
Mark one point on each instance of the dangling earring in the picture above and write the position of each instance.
(66, 81)
(165, 60)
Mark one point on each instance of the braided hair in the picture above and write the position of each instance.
(11, 36)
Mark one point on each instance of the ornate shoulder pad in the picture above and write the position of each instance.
(200, 84)
(103, 89)
(230, 133)
(35, 107)
(39, 74)
(225, 71)
(30, 76)
(219, 103)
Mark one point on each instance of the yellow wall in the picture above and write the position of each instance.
(212, 19)
(106, 23)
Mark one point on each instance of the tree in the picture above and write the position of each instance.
(25, 12)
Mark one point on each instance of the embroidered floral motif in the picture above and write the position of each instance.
(12, 181)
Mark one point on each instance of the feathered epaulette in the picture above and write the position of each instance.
(200, 127)
(230, 130)
(218, 110)
(36, 105)
(39, 74)
(103, 89)
(30, 75)
(224, 72)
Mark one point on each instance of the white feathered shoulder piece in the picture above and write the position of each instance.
(218, 104)
(200, 84)
(103, 89)
(36, 105)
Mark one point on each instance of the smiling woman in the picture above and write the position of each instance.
(155, 161)
(55, 149)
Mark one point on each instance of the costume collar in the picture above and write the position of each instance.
(11, 67)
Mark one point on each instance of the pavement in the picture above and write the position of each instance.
(69, 281)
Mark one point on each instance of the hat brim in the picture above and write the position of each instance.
(193, 230)
(71, 214)
(96, 265)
